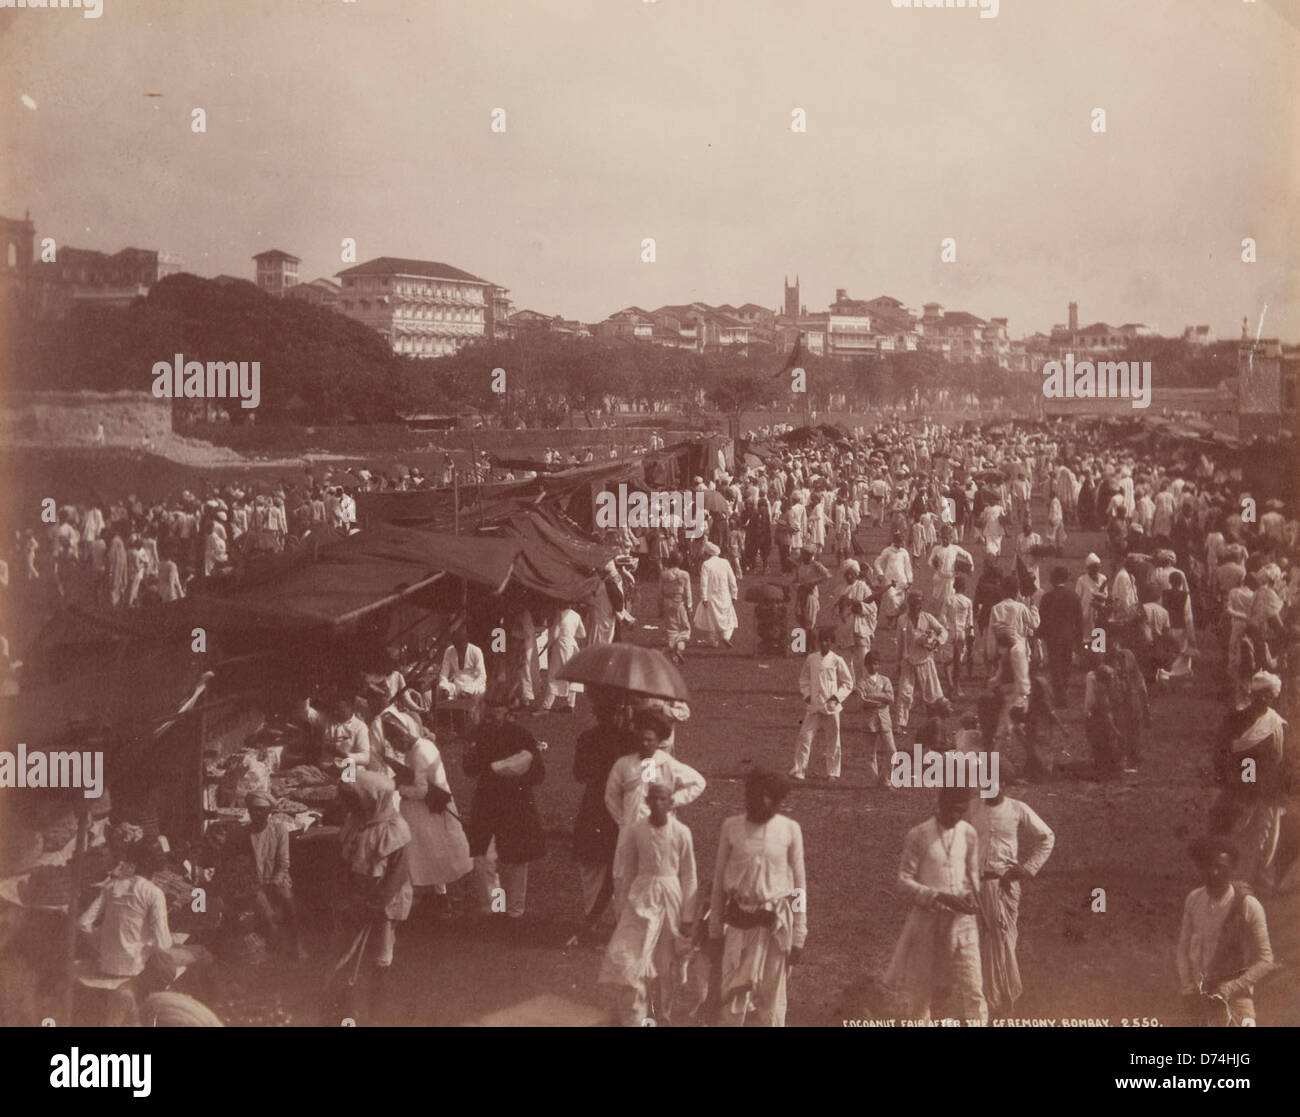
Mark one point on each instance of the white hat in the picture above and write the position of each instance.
(1092, 560)
(1268, 683)
(402, 718)
(711, 549)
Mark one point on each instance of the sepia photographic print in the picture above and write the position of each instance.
(652, 513)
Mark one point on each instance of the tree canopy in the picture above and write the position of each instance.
(319, 366)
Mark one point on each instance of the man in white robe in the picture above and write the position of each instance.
(606, 605)
(1093, 593)
(1066, 490)
(464, 674)
(799, 521)
(939, 947)
(655, 894)
(944, 556)
(715, 615)
(993, 528)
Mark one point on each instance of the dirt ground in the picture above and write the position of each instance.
(1129, 838)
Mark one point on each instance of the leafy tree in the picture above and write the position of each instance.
(315, 365)
(737, 393)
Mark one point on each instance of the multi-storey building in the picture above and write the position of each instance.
(277, 271)
(848, 327)
(893, 325)
(722, 331)
(529, 323)
(319, 292)
(997, 342)
(852, 328)
(953, 335)
(814, 328)
(1019, 358)
(97, 278)
(760, 320)
(499, 310)
(678, 326)
(76, 276)
(629, 324)
(1099, 338)
(421, 307)
(524, 320)
(1093, 341)
(696, 326)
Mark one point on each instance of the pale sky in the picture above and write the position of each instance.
(627, 119)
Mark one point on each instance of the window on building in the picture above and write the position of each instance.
(11, 255)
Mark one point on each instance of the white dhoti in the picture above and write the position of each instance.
(463, 684)
(910, 675)
(713, 619)
(558, 654)
(937, 950)
(999, 911)
(754, 969)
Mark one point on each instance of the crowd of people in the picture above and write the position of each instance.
(1191, 588)
(1201, 590)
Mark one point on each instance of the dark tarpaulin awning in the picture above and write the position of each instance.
(553, 561)
(377, 567)
(129, 686)
(435, 509)
(558, 559)
(575, 489)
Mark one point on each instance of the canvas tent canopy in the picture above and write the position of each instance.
(553, 560)
(339, 583)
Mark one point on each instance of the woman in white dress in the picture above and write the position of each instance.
(439, 851)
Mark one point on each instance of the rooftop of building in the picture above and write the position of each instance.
(961, 318)
(95, 254)
(423, 269)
